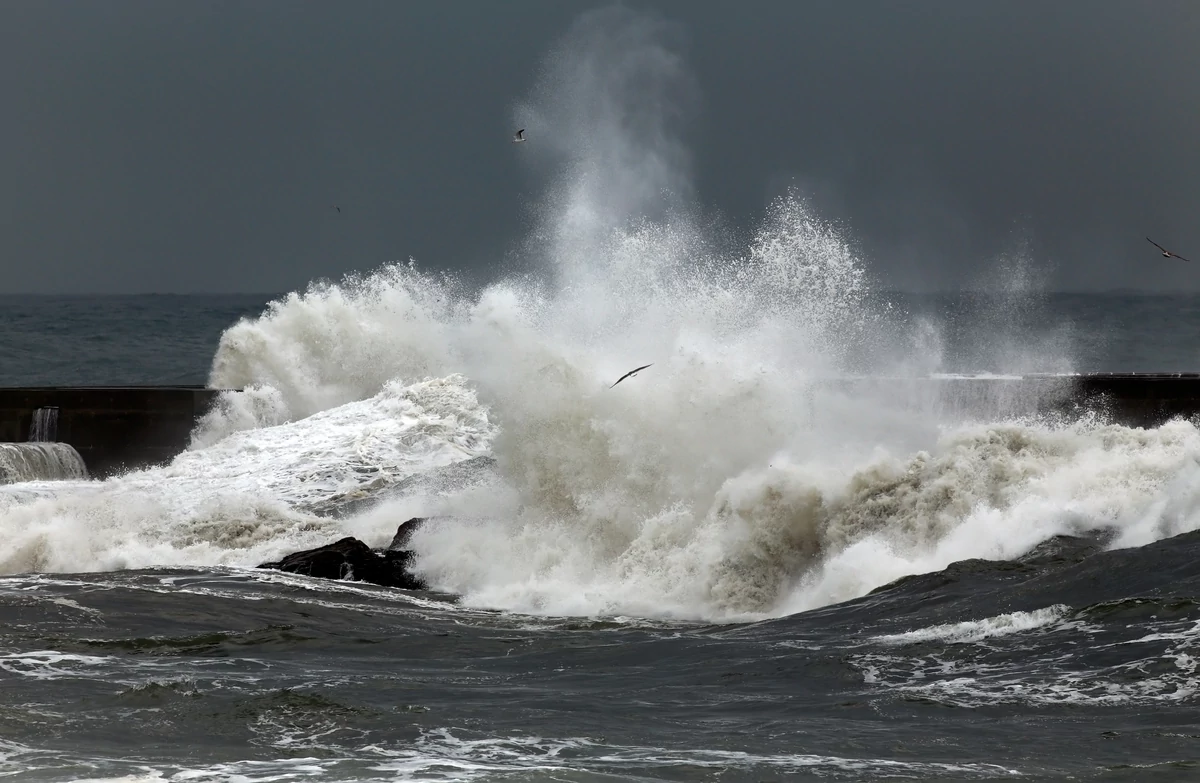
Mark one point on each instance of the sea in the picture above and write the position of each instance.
(684, 577)
(730, 566)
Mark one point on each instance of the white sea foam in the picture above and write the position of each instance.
(1157, 668)
(332, 345)
(48, 664)
(444, 749)
(243, 499)
(722, 482)
(978, 630)
(801, 533)
(442, 756)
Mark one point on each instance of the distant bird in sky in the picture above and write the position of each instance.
(1166, 253)
(630, 374)
(519, 136)
(339, 209)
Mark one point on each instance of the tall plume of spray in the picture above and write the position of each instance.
(1023, 334)
(660, 495)
(674, 485)
(608, 114)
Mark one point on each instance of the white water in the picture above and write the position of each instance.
(712, 485)
(242, 501)
(44, 427)
(21, 462)
(978, 630)
(1155, 669)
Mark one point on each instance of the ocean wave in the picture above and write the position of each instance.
(971, 631)
(249, 497)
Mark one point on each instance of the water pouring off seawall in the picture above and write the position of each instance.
(21, 462)
(114, 428)
(44, 427)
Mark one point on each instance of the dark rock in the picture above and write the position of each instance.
(397, 567)
(405, 532)
(398, 562)
(351, 560)
(1064, 549)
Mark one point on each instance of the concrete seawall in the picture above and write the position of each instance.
(122, 428)
(1135, 400)
(1131, 399)
(113, 428)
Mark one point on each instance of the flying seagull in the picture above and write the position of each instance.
(519, 136)
(630, 373)
(335, 206)
(1166, 253)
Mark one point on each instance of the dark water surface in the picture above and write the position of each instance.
(115, 340)
(1070, 664)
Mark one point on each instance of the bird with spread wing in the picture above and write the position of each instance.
(1166, 253)
(631, 373)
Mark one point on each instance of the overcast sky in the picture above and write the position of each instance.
(153, 146)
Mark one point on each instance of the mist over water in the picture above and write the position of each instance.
(724, 482)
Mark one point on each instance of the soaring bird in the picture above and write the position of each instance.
(630, 374)
(519, 136)
(335, 206)
(1166, 253)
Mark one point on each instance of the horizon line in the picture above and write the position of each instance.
(926, 292)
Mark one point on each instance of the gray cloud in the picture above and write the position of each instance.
(198, 147)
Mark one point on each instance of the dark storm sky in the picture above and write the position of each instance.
(182, 147)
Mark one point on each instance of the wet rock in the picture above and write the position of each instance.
(404, 533)
(351, 560)
(1064, 549)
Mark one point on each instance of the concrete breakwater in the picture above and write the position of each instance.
(112, 428)
(122, 428)
(1130, 399)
